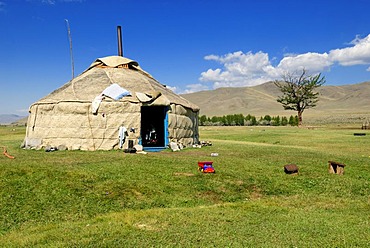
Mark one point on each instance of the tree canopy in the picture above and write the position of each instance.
(298, 91)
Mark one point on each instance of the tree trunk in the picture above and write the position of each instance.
(300, 118)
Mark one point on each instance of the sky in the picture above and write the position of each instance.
(188, 45)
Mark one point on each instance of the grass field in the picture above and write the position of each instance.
(113, 199)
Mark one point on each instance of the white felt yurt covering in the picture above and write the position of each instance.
(80, 116)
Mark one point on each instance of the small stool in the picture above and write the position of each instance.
(336, 168)
(291, 169)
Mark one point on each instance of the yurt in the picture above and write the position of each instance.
(113, 104)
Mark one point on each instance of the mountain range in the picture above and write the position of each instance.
(6, 119)
(351, 102)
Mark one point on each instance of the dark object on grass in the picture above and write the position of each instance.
(130, 150)
(291, 169)
(336, 167)
(359, 134)
(205, 143)
(50, 149)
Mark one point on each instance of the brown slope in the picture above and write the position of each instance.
(353, 98)
(261, 100)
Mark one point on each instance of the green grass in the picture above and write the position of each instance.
(110, 199)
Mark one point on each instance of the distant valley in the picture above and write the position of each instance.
(350, 102)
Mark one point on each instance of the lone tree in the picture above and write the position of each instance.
(298, 92)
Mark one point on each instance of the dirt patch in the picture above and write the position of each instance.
(256, 193)
(210, 196)
(184, 174)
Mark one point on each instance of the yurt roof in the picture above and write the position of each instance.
(125, 72)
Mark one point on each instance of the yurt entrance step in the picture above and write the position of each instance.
(153, 149)
(153, 127)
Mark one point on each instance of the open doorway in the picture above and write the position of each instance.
(153, 126)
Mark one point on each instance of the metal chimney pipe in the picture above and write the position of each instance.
(119, 37)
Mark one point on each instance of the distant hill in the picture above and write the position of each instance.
(347, 101)
(9, 119)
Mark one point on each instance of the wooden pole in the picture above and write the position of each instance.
(70, 49)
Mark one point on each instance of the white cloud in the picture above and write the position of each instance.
(174, 89)
(313, 62)
(240, 69)
(211, 57)
(359, 54)
(195, 87)
(248, 69)
(189, 88)
(355, 41)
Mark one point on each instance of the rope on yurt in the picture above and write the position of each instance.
(91, 132)
(73, 89)
(96, 147)
(34, 118)
(110, 79)
(105, 129)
